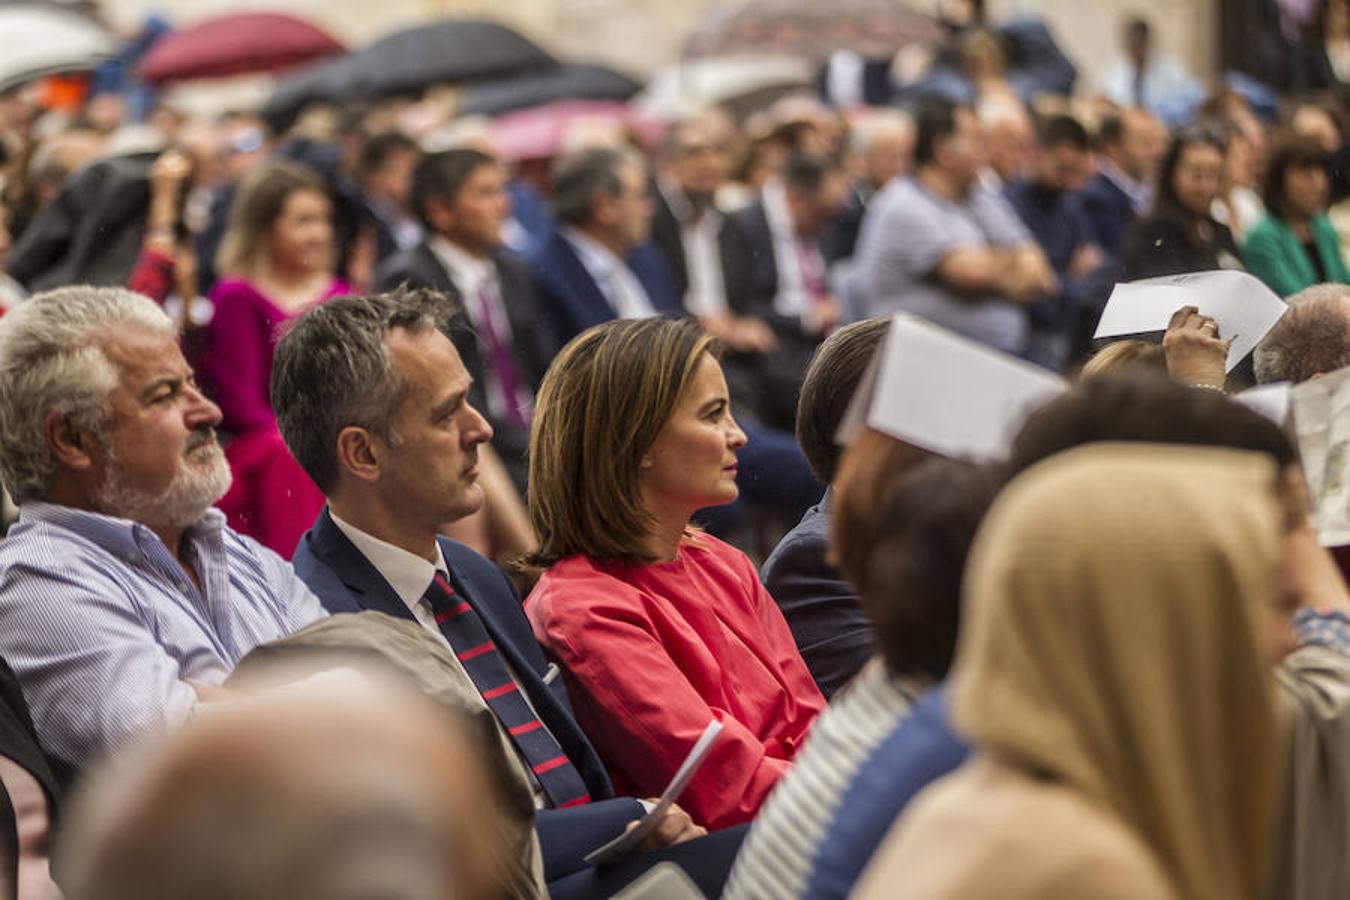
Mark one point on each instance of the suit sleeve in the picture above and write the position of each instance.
(567, 835)
(641, 708)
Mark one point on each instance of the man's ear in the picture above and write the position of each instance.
(359, 452)
(72, 446)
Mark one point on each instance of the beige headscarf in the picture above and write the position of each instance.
(1116, 601)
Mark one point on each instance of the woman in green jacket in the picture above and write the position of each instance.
(1295, 247)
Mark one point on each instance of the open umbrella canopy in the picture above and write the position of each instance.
(548, 131)
(810, 28)
(571, 82)
(446, 52)
(236, 44)
(44, 40)
(738, 83)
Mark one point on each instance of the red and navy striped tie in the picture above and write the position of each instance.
(475, 649)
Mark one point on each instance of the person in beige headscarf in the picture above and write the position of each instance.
(1115, 676)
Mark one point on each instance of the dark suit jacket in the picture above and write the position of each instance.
(667, 240)
(345, 581)
(1110, 211)
(570, 299)
(532, 344)
(834, 636)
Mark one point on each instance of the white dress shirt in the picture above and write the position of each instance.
(616, 281)
(706, 295)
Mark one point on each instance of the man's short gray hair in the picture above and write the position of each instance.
(52, 360)
(1312, 338)
(333, 370)
(581, 177)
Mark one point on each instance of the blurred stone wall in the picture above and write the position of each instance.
(641, 35)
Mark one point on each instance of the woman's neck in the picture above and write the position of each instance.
(1301, 226)
(664, 542)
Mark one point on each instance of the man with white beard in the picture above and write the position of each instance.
(124, 598)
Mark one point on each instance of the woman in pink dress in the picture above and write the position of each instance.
(277, 261)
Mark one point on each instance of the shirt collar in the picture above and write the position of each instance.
(407, 573)
(595, 256)
(1137, 191)
(121, 537)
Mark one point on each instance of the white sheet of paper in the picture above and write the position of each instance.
(625, 843)
(945, 393)
(1244, 308)
(1273, 401)
(1321, 410)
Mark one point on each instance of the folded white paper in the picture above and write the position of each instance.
(945, 393)
(1322, 419)
(1274, 401)
(1244, 308)
(627, 842)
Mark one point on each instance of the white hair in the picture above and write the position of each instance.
(880, 123)
(52, 360)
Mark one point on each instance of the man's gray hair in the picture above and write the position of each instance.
(333, 370)
(579, 178)
(1312, 338)
(52, 360)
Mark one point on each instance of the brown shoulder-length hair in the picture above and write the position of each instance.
(870, 464)
(603, 401)
(257, 206)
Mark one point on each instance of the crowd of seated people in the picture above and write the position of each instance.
(392, 518)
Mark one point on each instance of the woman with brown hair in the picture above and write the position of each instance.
(277, 258)
(660, 628)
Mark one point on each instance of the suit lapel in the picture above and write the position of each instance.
(368, 587)
(475, 596)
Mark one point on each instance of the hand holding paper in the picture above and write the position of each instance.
(1241, 304)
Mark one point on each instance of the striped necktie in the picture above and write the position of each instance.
(477, 652)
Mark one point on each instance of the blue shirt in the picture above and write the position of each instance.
(104, 628)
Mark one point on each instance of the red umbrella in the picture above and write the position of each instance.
(236, 44)
(547, 131)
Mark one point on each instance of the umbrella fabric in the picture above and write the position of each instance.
(571, 82)
(548, 131)
(810, 28)
(41, 40)
(236, 44)
(698, 84)
(446, 52)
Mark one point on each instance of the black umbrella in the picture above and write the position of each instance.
(447, 52)
(572, 82)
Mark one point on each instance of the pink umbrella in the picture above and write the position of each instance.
(236, 44)
(547, 131)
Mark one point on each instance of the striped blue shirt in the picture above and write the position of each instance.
(104, 628)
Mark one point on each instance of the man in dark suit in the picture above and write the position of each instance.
(372, 399)
(775, 267)
(1131, 146)
(598, 265)
(461, 198)
(882, 143)
(384, 169)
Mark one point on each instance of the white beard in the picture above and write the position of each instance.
(195, 487)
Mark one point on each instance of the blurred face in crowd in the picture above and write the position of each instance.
(1306, 189)
(891, 153)
(626, 217)
(302, 236)
(1198, 178)
(1061, 168)
(160, 463)
(700, 162)
(1143, 143)
(1336, 21)
(474, 218)
(959, 155)
(813, 211)
(393, 179)
(1009, 144)
(430, 467)
(1315, 122)
(692, 463)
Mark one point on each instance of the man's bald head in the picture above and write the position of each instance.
(1311, 339)
(319, 793)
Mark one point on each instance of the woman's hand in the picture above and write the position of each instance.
(1195, 353)
(676, 827)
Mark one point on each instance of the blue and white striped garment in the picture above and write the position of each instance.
(775, 860)
(105, 630)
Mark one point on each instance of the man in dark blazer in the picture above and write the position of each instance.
(775, 268)
(1131, 146)
(371, 397)
(461, 198)
(597, 265)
